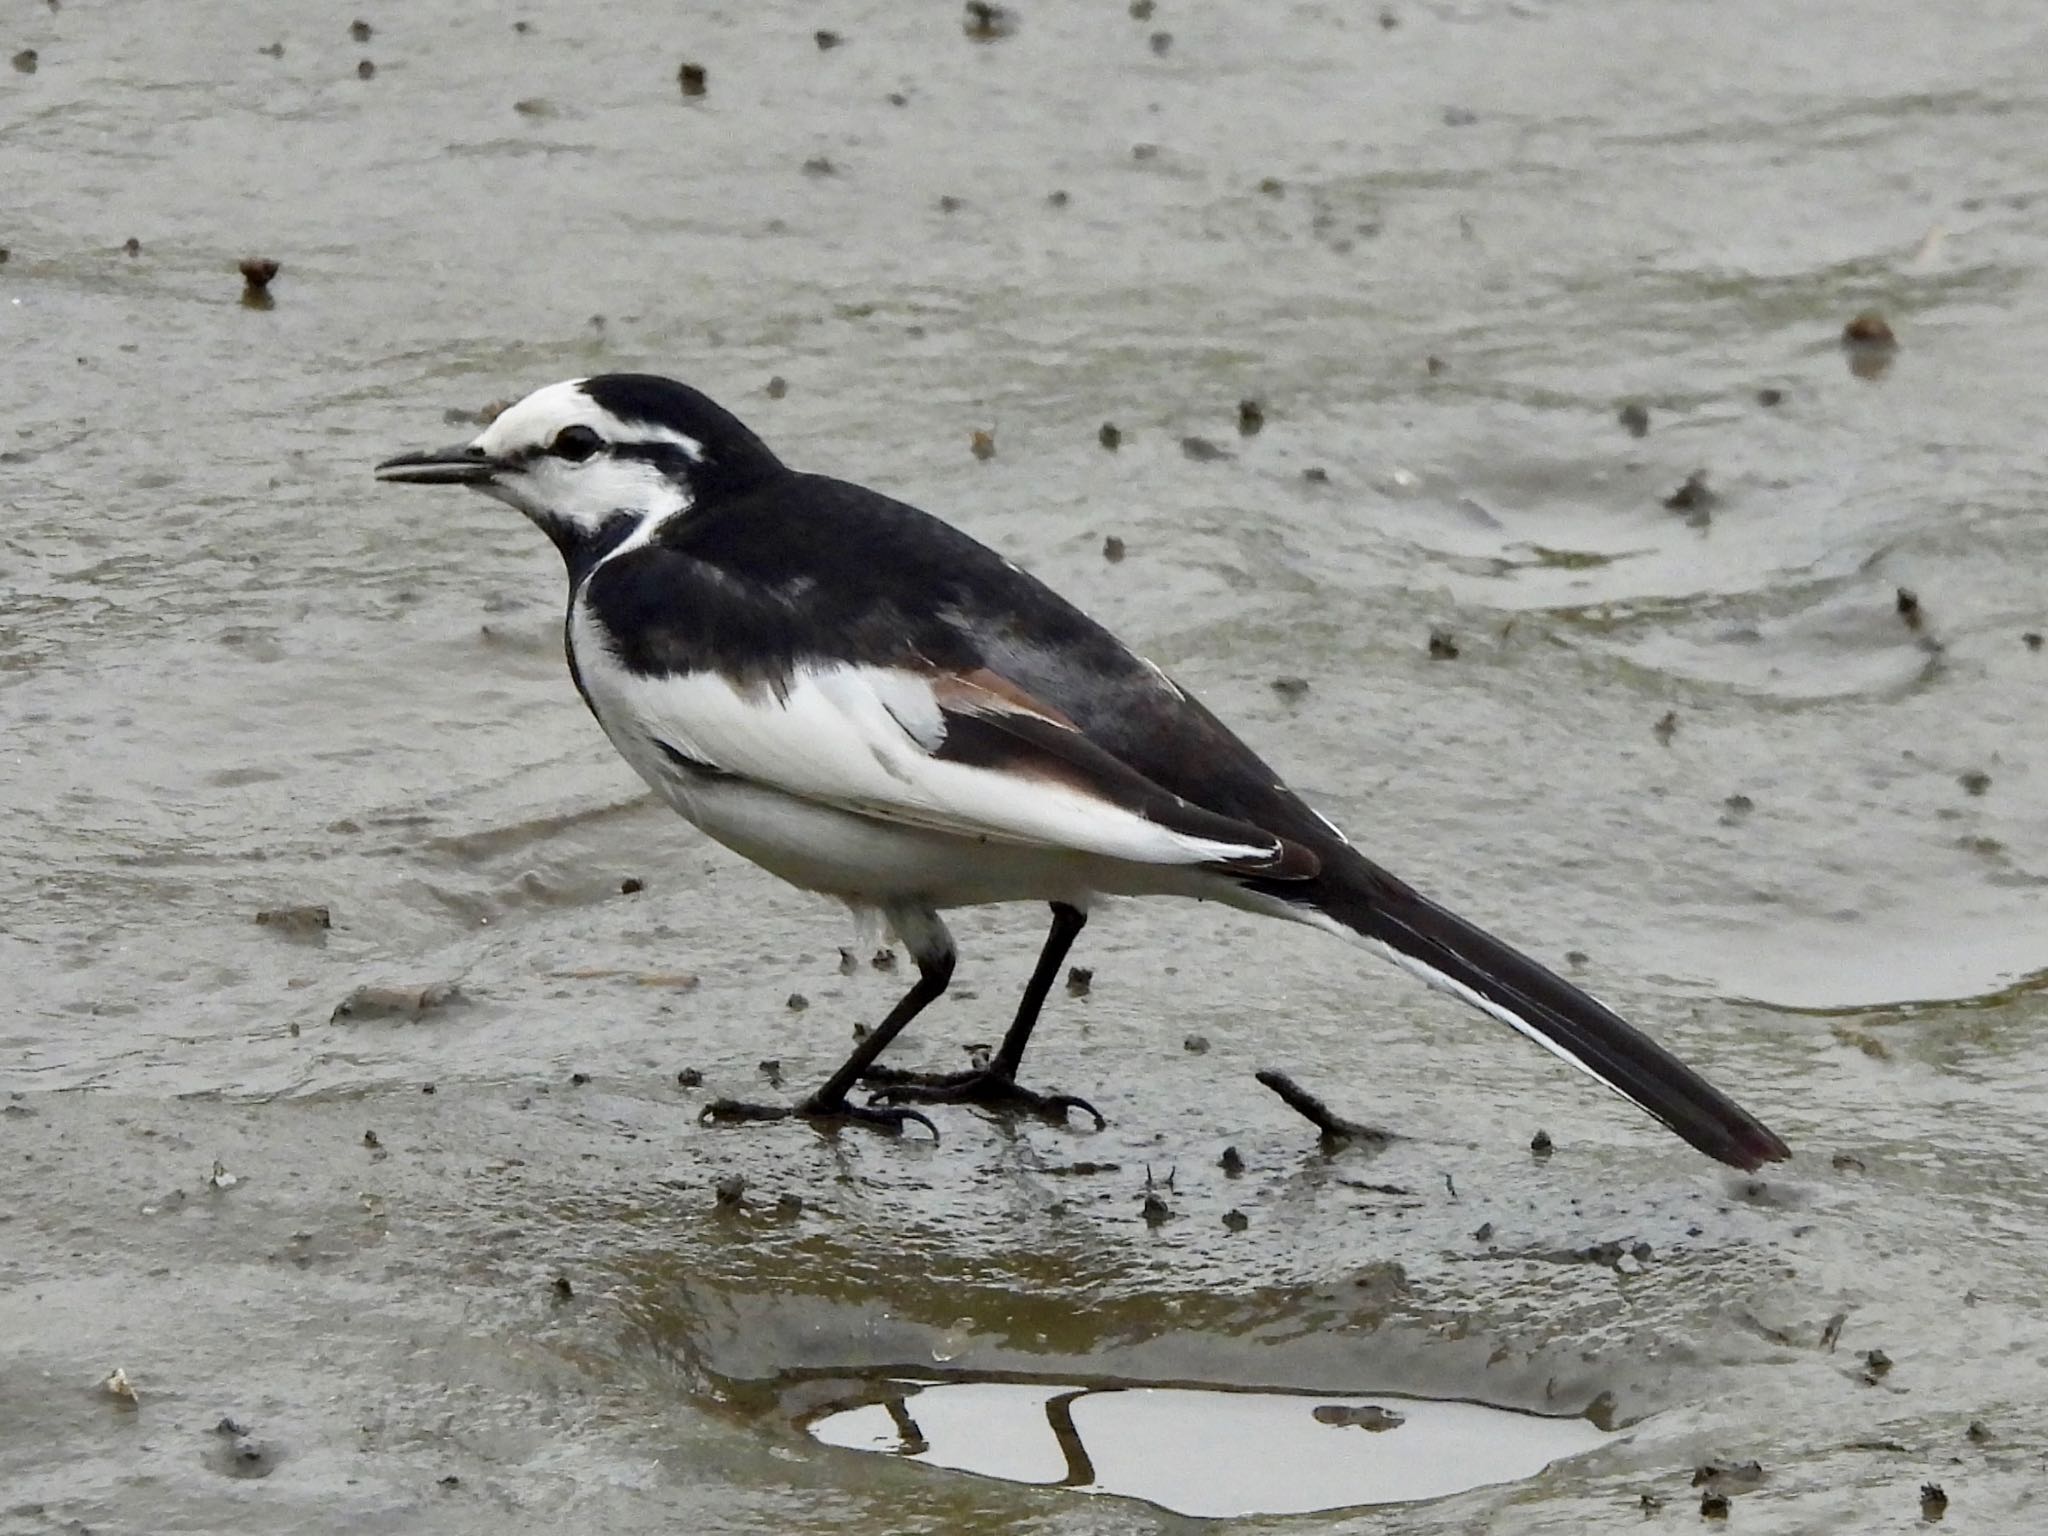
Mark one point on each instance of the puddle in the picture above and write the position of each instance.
(1206, 1452)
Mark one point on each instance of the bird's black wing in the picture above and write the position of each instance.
(867, 578)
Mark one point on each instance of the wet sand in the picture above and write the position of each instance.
(1796, 832)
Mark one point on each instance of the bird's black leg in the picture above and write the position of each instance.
(932, 949)
(995, 1086)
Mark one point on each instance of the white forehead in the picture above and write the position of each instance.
(534, 421)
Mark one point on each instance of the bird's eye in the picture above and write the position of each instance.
(575, 444)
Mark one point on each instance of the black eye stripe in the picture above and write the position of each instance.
(575, 443)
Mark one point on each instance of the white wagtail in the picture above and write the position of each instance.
(872, 705)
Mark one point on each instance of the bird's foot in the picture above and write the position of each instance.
(984, 1086)
(886, 1118)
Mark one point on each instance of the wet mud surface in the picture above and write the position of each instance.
(358, 1006)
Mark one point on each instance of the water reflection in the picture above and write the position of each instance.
(1203, 1451)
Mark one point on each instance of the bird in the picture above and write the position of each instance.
(873, 705)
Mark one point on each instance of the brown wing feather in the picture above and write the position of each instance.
(992, 723)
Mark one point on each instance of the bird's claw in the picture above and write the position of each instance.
(988, 1089)
(887, 1118)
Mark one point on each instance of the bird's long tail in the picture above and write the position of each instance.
(1363, 903)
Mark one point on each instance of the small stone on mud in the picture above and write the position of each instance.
(120, 1388)
(366, 70)
(563, 1290)
(1540, 1145)
(789, 1206)
(849, 962)
(1057, 198)
(883, 960)
(820, 165)
(1713, 1506)
(1443, 646)
(371, 1140)
(632, 885)
(579, 1079)
(1273, 186)
(1693, 496)
(220, 1178)
(1290, 687)
(451, 1480)
(1315, 474)
(1933, 1501)
(1141, 10)
(1770, 397)
(1869, 329)
(359, 30)
(982, 444)
(296, 922)
(692, 78)
(1113, 549)
(230, 1427)
(1846, 1162)
(730, 1189)
(272, 50)
(1251, 417)
(986, 23)
(1155, 1210)
(1162, 43)
(1231, 1162)
(825, 40)
(771, 1069)
(1978, 1434)
(1235, 1221)
(26, 61)
(796, 1002)
(132, 246)
(1876, 1366)
(1975, 782)
(258, 272)
(689, 1077)
(371, 1002)
(1435, 366)
(1110, 436)
(1079, 979)
(1202, 451)
(1483, 1233)
(1908, 604)
(1635, 419)
(778, 386)
(1666, 726)
(2031, 640)
(1196, 1045)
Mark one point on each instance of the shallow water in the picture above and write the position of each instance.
(236, 675)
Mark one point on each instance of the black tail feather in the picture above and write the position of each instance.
(1451, 954)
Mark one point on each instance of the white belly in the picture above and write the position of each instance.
(881, 863)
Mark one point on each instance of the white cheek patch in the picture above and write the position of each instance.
(588, 495)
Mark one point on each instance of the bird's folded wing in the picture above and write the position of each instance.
(966, 754)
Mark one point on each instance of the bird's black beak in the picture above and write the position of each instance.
(460, 465)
